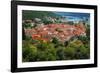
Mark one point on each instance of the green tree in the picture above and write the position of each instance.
(70, 53)
(60, 53)
(29, 52)
(84, 39)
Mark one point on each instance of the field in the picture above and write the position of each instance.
(52, 36)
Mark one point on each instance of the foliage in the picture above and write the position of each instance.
(88, 32)
(77, 50)
(47, 22)
(29, 52)
(27, 25)
(84, 39)
(28, 14)
(35, 50)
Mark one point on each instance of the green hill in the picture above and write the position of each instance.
(29, 14)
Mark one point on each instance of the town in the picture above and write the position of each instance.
(62, 31)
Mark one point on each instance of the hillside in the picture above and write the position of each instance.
(28, 14)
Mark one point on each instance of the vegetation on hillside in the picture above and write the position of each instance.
(37, 50)
(38, 14)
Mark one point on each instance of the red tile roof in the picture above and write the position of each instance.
(64, 33)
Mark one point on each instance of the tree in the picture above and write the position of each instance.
(55, 40)
(83, 52)
(88, 32)
(23, 34)
(29, 52)
(66, 43)
(42, 46)
(84, 39)
(60, 53)
(70, 52)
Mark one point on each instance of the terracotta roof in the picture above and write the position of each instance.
(64, 33)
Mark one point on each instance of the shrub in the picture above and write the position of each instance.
(84, 52)
(29, 52)
(55, 40)
(70, 52)
(42, 46)
(84, 39)
(60, 53)
(34, 50)
(77, 50)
